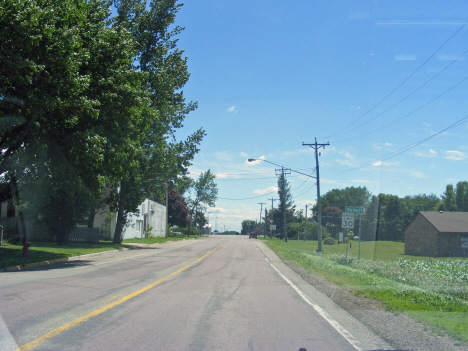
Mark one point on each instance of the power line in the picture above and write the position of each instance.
(399, 85)
(406, 97)
(405, 148)
(410, 113)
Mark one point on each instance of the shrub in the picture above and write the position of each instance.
(329, 241)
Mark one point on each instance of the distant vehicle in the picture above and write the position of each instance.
(237, 233)
(355, 237)
(278, 236)
(253, 235)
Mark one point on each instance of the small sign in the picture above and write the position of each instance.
(464, 242)
(340, 236)
(347, 220)
(353, 209)
(272, 226)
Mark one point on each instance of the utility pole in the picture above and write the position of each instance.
(271, 217)
(283, 172)
(317, 146)
(261, 208)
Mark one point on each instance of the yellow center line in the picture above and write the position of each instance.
(35, 343)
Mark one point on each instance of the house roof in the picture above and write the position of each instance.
(447, 222)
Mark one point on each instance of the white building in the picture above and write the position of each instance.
(151, 217)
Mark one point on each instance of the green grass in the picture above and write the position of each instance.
(434, 291)
(381, 250)
(12, 255)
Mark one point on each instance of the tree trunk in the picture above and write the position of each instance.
(120, 214)
(92, 215)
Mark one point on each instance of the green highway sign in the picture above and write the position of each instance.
(352, 209)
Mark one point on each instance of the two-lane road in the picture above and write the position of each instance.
(218, 293)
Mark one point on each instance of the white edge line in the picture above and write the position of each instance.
(344, 333)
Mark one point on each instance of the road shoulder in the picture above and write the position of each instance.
(363, 316)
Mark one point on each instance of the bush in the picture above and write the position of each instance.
(329, 241)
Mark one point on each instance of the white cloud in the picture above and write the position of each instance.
(253, 163)
(405, 57)
(232, 109)
(383, 163)
(418, 174)
(430, 153)
(455, 155)
(217, 210)
(347, 161)
(270, 189)
(221, 175)
(244, 154)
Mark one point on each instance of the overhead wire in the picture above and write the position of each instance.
(408, 114)
(399, 85)
(405, 148)
(406, 97)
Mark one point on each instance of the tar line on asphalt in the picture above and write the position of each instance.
(35, 343)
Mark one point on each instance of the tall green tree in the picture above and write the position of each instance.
(449, 199)
(285, 205)
(69, 95)
(462, 196)
(202, 193)
(162, 159)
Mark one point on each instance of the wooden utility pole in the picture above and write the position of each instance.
(317, 146)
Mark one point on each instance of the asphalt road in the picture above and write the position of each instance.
(217, 293)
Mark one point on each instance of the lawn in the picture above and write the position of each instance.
(381, 250)
(432, 290)
(11, 255)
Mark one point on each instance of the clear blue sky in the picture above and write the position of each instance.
(269, 75)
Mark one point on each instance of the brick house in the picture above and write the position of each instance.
(436, 234)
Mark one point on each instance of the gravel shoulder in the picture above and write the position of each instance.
(398, 330)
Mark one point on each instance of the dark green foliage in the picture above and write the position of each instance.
(329, 241)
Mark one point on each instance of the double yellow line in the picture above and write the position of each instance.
(35, 343)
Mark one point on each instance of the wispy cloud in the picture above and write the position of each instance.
(270, 189)
(418, 174)
(232, 109)
(224, 156)
(430, 153)
(253, 163)
(455, 155)
(217, 210)
(244, 154)
(221, 175)
(403, 57)
(348, 161)
(383, 163)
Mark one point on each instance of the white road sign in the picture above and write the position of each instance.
(272, 226)
(347, 220)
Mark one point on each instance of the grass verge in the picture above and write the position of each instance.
(11, 255)
(438, 300)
